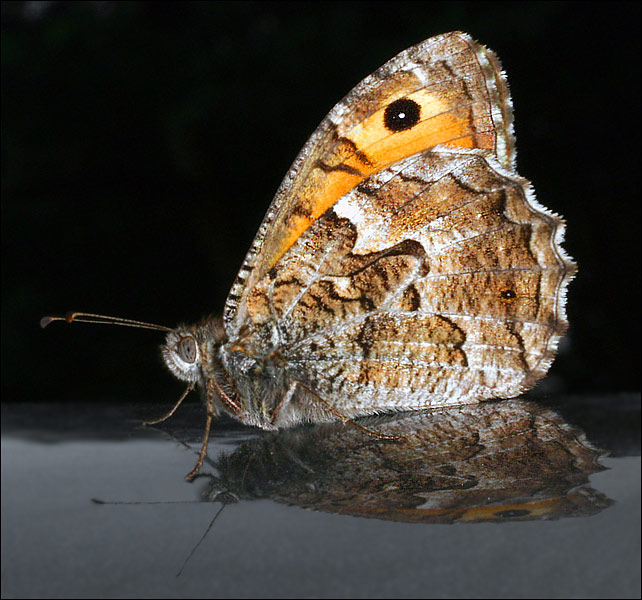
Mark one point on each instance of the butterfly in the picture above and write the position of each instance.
(402, 265)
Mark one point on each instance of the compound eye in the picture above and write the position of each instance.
(187, 349)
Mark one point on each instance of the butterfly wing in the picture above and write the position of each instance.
(403, 263)
(439, 280)
(446, 90)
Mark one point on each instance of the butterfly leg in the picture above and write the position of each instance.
(172, 410)
(206, 436)
(348, 420)
(285, 400)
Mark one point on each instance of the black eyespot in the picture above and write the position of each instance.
(508, 295)
(513, 513)
(187, 349)
(401, 114)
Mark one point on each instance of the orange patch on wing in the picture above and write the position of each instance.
(532, 510)
(377, 148)
(336, 184)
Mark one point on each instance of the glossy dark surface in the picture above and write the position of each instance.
(56, 542)
(142, 144)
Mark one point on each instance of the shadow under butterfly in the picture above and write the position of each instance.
(495, 461)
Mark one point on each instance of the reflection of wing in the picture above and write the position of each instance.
(445, 90)
(500, 461)
(437, 281)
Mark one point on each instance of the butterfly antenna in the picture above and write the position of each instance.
(220, 510)
(146, 502)
(82, 317)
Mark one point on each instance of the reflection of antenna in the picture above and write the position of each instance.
(223, 497)
(106, 502)
(220, 510)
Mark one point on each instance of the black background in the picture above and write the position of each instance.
(142, 144)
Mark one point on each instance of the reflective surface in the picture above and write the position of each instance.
(508, 499)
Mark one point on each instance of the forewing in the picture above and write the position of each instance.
(462, 101)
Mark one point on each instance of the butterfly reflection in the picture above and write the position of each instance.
(506, 461)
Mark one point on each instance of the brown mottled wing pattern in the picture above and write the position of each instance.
(464, 103)
(438, 280)
(403, 263)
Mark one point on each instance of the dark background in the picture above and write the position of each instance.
(142, 144)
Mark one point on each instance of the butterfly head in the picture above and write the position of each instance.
(189, 349)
